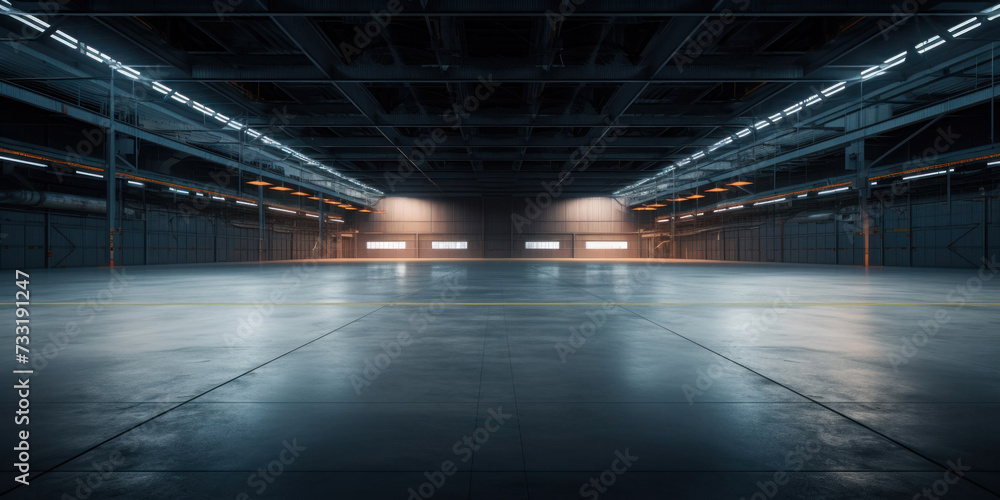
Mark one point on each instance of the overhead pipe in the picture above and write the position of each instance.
(56, 201)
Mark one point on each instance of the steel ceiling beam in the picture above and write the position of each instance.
(317, 47)
(608, 73)
(480, 141)
(494, 119)
(529, 8)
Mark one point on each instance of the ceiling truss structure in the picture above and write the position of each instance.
(497, 97)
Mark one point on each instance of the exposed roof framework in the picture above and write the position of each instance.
(639, 98)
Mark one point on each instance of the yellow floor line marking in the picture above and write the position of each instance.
(848, 304)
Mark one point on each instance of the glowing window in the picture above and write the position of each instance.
(386, 245)
(607, 245)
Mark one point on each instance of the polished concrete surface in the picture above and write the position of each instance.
(517, 379)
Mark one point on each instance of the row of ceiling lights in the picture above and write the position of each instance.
(341, 204)
(177, 189)
(82, 48)
(916, 173)
(955, 31)
(718, 189)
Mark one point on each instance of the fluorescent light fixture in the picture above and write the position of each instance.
(161, 88)
(964, 26)
(993, 163)
(793, 109)
(688, 216)
(966, 30)
(234, 125)
(89, 174)
(276, 209)
(663, 220)
(762, 125)
(201, 107)
(699, 215)
(218, 198)
(134, 183)
(737, 207)
(312, 215)
(65, 39)
(129, 72)
(898, 57)
(918, 176)
(802, 195)
(179, 191)
(875, 183)
(833, 89)
(26, 162)
(872, 72)
(198, 194)
(845, 188)
(929, 44)
(813, 99)
(894, 61)
(697, 155)
(181, 98)
(241, 202)
(775, 118)
(819, 215)
(222, 118)
(683, 162)
(719, 210)
(743, 133)
(768, 202)
(993, 9)
(31, 21)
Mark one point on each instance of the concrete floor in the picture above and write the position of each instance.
(716, 380)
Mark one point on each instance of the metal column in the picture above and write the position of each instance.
(322, 240)
(112, 183)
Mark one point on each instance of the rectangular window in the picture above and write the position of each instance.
(450, 245)
(541, 245)
(387, 245)
(607, 245)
